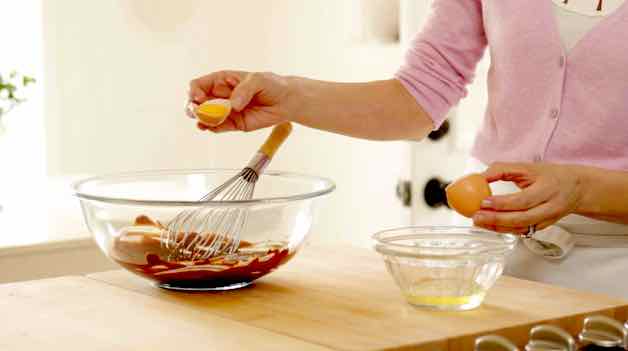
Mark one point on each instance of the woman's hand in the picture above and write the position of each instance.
(258, 100)
(549, 192)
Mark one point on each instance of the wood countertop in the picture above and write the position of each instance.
(326, 298)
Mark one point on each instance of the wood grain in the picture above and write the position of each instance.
(77, 313)
(343, 298)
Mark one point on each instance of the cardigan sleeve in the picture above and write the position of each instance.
(441, 60)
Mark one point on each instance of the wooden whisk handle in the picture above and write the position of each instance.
(279, 134)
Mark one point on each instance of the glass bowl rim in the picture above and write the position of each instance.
(328, 187)
(384, 242)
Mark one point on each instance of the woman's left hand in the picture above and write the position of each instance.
(548, 193)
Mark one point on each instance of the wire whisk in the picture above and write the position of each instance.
(208, 231)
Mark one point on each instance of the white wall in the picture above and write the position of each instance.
(22, 152)
(116, 77)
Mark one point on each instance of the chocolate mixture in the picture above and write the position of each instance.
(139, 250)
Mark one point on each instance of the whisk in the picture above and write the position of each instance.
(206, 231)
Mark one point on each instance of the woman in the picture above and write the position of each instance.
(556, 123)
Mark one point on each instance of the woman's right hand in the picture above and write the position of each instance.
(258, 100)
(379, 110)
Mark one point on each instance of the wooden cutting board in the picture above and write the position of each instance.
(327, 298)
(342, 298)
(79, 314)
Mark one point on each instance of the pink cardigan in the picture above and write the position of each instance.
(543, 104)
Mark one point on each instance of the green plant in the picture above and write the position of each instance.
(11, 87)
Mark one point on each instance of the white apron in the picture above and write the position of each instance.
(595, 259)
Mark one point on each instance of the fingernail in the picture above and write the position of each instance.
(487, 203)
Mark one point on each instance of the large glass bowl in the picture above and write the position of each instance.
(445, 268)
(127, 214)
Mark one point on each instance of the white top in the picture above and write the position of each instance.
(576, 18)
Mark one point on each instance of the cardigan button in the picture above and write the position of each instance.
(554, 113)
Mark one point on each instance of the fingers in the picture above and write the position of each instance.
(223, 88)
(214, 85)
(529, 197)
(499, 170)
(519, 230)
(509, 172)
(217, 84)
(541, 216)
(227, 126)
(539, 204)
(241, 88)
(244, 92)
(232, 81)
(507, 230)
(199, 87)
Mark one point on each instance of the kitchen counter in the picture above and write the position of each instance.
(326, 298)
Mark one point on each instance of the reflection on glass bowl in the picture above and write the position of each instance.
(446, 268)
(127, 213)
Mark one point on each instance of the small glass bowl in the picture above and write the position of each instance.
(444, 267)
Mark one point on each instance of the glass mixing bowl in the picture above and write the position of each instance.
(445, 268)
(127, 213)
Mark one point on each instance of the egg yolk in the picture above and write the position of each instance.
(466, 194)
(213, 113)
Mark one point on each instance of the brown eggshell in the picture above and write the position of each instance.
(465, 195)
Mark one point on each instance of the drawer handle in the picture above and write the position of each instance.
(494, 343)
(604, 332)
(549, 337)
